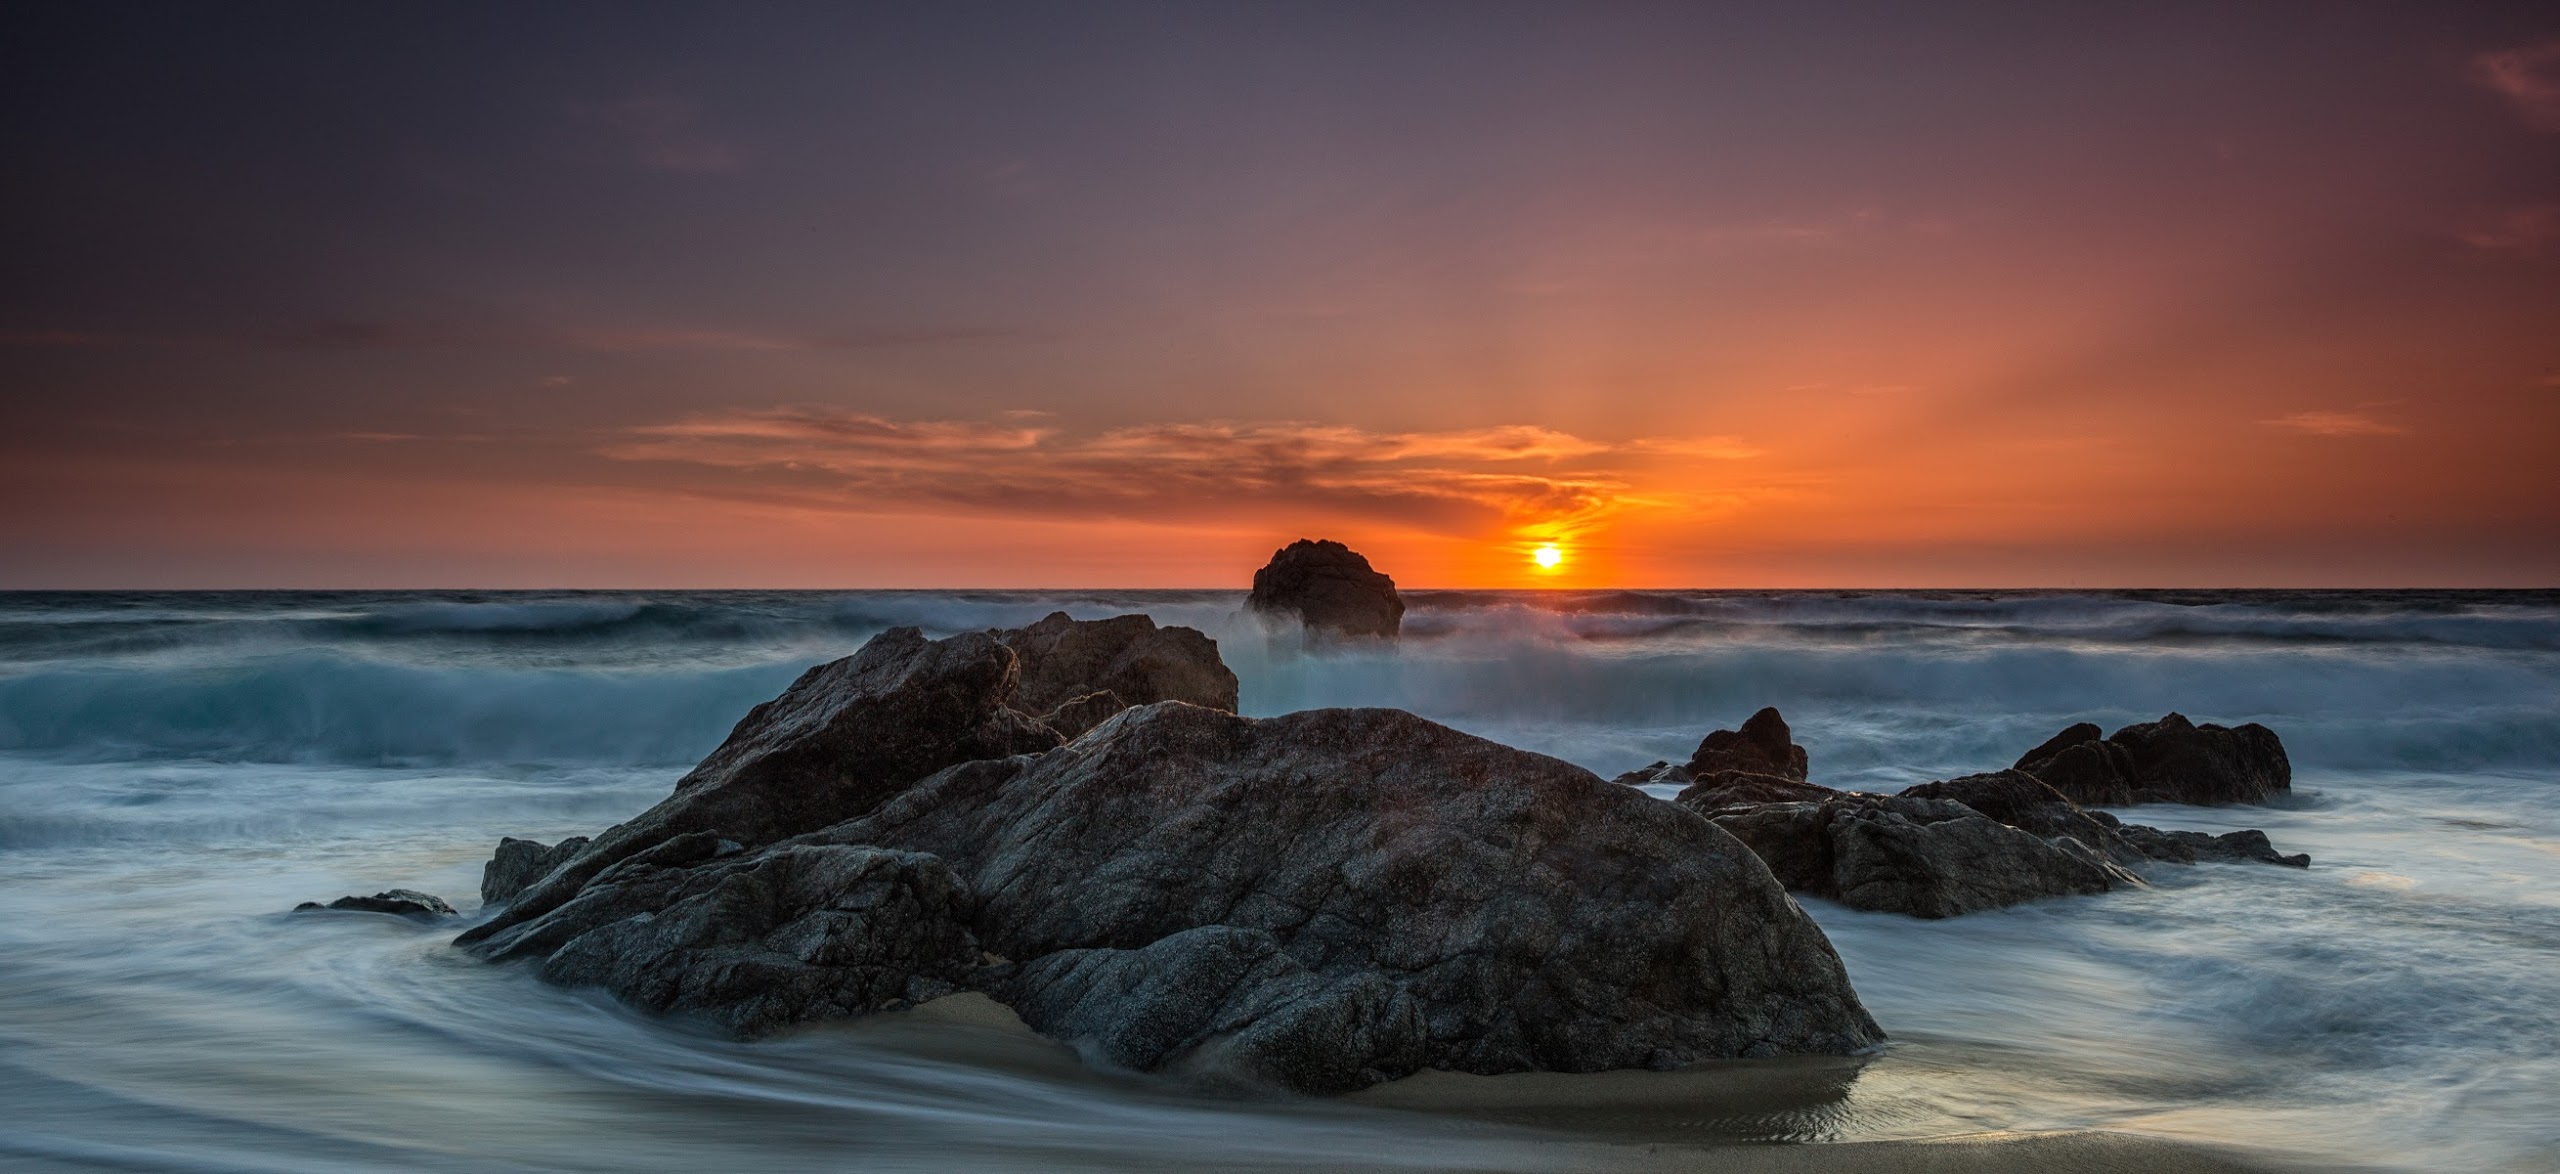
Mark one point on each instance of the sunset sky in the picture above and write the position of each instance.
(1059, 295)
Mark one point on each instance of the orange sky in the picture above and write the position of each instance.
(2184, 299)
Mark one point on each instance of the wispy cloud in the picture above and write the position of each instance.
(1522, 476)
(2325, 423)
(663, 132)
(2522, 230)
(2528, 77)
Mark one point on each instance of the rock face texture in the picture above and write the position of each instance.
(519, 863)
(1329, 588)
(403, 902)
(2172, 760)
(1063, 660)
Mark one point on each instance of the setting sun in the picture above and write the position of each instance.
(1548, 557)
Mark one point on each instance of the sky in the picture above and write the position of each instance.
(1855, 295)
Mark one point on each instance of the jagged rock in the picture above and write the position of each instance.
(2022, 801)
(2171, 760)
(1763, 746)
(839, 741)
(519, 863)
(788, 935)
(1063, 659)
(2180, 847)
(1329, 588)
(1925, 857)
(403, 902)
(1524, 914)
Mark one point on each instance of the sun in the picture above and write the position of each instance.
(1548, 557)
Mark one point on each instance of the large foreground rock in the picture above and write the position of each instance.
(1328, 587)
(1320, 901)
(2172, 760)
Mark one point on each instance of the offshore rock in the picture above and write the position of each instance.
(401, 902)
(519, 863)
(1928, 858)
(843, 738)
(1330, 589)
(2020, 800)
(1334, 897)
(2179, 847)
(1064, 660)
(2172, 760)
(1763, 746)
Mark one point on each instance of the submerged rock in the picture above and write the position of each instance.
(1429, 899)
(519, 863)
(1330, 589)
(2172, 760)
(402, 902)
(2180, 847)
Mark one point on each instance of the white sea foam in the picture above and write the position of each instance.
(176, 770)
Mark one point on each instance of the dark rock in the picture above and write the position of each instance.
(2023, 801)
(788, 935)
(1531, 916)
(1329, 588)
(1763, 746)
(2180, 847)
(1664, 774)
(519, 863)
(1730, 788)
(1925, 857)
(1229, 1001)
(2171, 760)
(403, 902)
(1064, 659)
(1072, 718)
(844, 737)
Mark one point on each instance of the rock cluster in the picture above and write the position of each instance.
(2172, 760)
(1330, 589)
(1318, 901)
(1938, 849)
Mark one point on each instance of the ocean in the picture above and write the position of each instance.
(178, 770)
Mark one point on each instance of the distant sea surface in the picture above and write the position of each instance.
(177, 770)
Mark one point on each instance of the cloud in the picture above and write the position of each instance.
(664, 133)
(2319, 423)
(2529, 78)
(2522, 230)
(366, 335)
(1521, 476)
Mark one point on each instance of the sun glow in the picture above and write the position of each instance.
(1548, 557)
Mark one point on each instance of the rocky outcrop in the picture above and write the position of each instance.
(1064, 660)
(842, 739)
(2179, 847)
(1320, 901)
(1759, 763)
(2172, 760)
(1330, 589)
(1924, 857)
(519, 863)
(1474, 907)
(400, 902)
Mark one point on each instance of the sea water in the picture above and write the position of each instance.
(178, 770)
